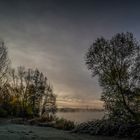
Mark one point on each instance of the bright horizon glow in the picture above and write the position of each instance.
(78, 103)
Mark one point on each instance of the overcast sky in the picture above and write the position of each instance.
(54, 35)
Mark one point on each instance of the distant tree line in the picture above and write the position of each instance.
(23, 92)
(116, 62)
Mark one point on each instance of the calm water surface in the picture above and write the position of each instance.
(81, 116)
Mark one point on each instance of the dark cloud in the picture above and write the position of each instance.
(54, 35)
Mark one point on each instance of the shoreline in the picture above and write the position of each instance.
(11, 131)
(90, 129)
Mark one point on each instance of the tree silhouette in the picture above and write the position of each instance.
(23, 93)
(31, 91)
(116, 62)
(4, 62)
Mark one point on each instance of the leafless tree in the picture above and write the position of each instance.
(4, 62)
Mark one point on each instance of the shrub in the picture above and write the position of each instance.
(34, 121)
(64, 124)
(136, 133)
(109, 128)
(3, 113)
(48, 118)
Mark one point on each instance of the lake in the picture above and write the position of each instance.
(81, 116)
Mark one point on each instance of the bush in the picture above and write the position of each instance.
(136, 133)
(34, 121)
(3, 113)
(109, 128)
(51, 121)
(48, 118)
(64, 124)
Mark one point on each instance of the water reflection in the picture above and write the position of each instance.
(81, 116)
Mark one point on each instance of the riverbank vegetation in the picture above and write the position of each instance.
(24, 92)
(46, 121)
(26, 96)
(107, 127)
(116, 63)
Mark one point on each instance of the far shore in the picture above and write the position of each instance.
(79, 110)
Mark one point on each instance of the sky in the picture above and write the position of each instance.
(54, 35)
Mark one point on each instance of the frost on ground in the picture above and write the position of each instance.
(24, 132)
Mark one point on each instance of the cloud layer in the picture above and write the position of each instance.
(55, 35)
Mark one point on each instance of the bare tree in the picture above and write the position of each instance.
(4, 62)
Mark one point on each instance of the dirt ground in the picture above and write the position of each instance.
(10, 131)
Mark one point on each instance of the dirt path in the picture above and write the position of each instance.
(22, 132)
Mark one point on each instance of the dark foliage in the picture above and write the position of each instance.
(116, 62)
(109, 128)
(24, 92)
